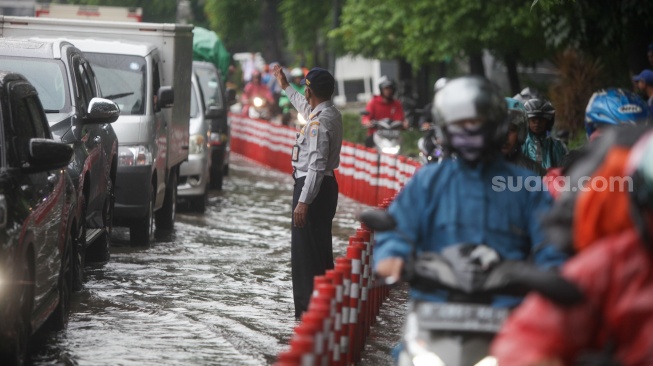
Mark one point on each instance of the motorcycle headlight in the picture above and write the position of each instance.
(392, 150)
(258, 102)
(197, 144)
(134, 155)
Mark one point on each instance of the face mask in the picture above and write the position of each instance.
(469, 144)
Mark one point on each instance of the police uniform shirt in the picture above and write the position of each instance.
(318, 143)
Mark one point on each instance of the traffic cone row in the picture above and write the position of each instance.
(343, 307)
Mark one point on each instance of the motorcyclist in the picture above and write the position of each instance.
(615, 273)
(381, 107)
(511, 148)
(457, 201)
(426, 120)
(296, 76)
(255, 88)
(539, 146)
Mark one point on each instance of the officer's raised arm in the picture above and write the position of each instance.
(297, 100)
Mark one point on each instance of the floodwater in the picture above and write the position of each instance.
(216, 291)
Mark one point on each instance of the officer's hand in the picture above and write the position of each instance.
(390, 268)
(299, 216)
(281, 77)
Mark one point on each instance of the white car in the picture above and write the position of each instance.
(194, 174)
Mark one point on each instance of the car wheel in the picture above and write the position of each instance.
(14, 351)
(100, 251)
(165, 217)
(142, 232)
(59, 318)
(198, 203)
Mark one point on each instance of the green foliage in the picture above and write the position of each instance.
(303, 23)
(236, 22)
(352, 129)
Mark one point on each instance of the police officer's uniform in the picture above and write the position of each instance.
(315, 156)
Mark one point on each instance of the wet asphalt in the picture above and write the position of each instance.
(215, 291)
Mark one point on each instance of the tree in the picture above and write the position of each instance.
(306, 27)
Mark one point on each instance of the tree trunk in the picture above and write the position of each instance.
(476, 66)
(270, 31)
(513, 76)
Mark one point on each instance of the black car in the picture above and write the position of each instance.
(217, 109)
(38, 220)
(70, 95)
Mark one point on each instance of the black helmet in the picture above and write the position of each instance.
(385, 82)
(640, 168)
(541, 108)
(472, 97)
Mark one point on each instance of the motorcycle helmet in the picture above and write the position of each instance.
(640, 168)
(471, 98)
(439, 84)
(526, 94)
(517, 117)
(385, 82)
(614, 107)
(296, 73)
(541, 108)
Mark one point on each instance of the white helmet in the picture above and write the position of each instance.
(296, 73)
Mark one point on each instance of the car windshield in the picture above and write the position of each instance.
(122, 79)
(194, 110)
(47, 76)
(210, 86)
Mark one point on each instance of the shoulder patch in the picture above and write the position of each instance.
(314, 123)
(313, 129)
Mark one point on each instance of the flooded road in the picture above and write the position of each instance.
(216, 291)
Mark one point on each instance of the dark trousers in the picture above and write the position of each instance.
(311, 246)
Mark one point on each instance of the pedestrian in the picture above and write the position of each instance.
(315, 156)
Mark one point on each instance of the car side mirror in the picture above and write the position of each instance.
(231, 96)
(213, 112)
(102, 110)
(46, 154)
(165, 97)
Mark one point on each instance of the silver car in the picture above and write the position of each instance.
(194, 173)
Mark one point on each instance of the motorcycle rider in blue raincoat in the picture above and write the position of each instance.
(539, 145)
(470, 199)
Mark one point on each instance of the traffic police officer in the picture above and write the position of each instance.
(314, 157)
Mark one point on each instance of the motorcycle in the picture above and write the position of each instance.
(387, 137)
(259, 109)
(460, 331)
(430, 151)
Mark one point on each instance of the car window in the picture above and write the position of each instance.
(211, 87)
(122, 79)
(88, 71)
(47, 76)
(21, 129)
(84, 89)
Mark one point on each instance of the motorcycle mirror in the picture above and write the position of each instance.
(378, 220)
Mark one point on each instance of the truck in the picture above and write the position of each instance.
(146, 69)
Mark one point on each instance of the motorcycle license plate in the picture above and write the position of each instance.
(389, 134)
(460, 317)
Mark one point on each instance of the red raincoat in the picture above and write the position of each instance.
(616, 276)
(379, 109)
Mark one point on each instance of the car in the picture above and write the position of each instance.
(215, 100)
(194, 174)
(38, 220)
(78, 116)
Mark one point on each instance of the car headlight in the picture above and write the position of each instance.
(197, 144)
(258, 102)
(134, 155)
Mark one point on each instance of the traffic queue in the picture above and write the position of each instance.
(95, 132)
